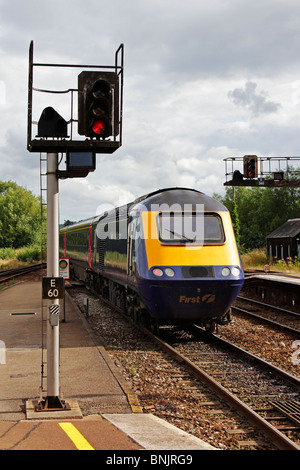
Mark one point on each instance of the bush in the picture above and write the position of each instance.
(29, 254)
(20, 216)
(7, 253)
(288, 265)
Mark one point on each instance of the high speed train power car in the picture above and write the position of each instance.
(169, 257)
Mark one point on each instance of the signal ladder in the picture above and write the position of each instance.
(43, 197)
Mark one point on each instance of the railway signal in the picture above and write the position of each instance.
(98, 104)
(250, 166)
(264, 172)
(51, 124)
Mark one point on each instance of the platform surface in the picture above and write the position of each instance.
(278, 278)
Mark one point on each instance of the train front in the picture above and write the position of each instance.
(188, 265)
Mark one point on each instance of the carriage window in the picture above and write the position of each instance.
(199, 228)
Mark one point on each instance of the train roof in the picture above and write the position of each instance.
(180, 196)
(185, 198)
(81, 223)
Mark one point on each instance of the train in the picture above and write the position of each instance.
(170, 257)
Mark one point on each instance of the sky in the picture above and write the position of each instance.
(203, 81)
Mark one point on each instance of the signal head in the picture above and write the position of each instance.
(52, 124)
(98, 104)
(250, 166)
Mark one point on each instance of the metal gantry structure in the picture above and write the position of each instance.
(271, 172)
(66, 143)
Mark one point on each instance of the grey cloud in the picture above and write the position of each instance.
(256, 102)
(179, 59)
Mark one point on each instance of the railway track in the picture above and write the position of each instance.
(208, 364)
(227, 379)
(9, 274)
(279, 317)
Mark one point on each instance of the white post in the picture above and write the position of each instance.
(52, 271)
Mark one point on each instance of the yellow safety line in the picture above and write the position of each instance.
(76, 437)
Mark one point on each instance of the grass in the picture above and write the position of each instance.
(11, 258)
(258, 258)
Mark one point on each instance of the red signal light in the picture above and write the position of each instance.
(250, 166)
(98, 127)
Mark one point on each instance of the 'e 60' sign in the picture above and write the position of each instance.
(53, 288)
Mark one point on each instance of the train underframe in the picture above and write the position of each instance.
(128, 301)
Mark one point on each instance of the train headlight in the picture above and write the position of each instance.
(170, 272)
(235, 271)
(225, 271)
(158, 272)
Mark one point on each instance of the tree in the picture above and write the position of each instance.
(20, 216)
(236, 222)
(260, 211)
(68, 222)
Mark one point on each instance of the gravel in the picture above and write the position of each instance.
(272, 345)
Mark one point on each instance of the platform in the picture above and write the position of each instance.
(279, 278)
(276, 289)
(103, 408)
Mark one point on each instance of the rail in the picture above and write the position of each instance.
(9, 274)
(260, 317)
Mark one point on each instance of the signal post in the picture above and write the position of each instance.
(53, 392)
(100, 101)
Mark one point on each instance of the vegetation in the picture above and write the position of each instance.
(11, 258)
(20, 226)
(20, 216)
(256, 212)
(258, 258)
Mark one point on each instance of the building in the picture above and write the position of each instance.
(284, 242)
